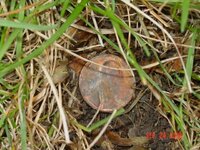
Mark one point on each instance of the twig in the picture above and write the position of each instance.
(21, 9)
(136, 100)
(101, 100)
(97, 28)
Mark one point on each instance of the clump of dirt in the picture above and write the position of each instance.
(146, 121)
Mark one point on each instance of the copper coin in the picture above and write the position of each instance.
(103, 88)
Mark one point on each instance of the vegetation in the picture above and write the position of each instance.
(35, 36)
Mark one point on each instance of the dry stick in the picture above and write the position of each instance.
(97, 112)
(129, 24)
(160, 12)
(101, 101)
(97, 28)
(136, 100)
(61, 110)
(102, 131)
(30, 105)
(86, 60)
(162, 6)
(158, 18)
(87, 48)
(46, 138)
(169, 36)
(21, 9)
(71, 94)
(39, 112)
(33, 86)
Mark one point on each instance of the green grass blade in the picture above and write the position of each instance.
(12, 5)
(184, 14)
(54, 122)
(3, 36)
(196, 76)
(19, 50)
(8, 133)
(64, 8)
(98, 123)
(105, 120)
(6, 85)
(8, 42)
(4, 93)
(164, 69)
(2, 119)
(24, 25)
(190, 58)
(22, 122)
(182, 127)
(197, 95)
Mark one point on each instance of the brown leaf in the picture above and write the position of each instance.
(77, 64)
(79, 36)
(60, 73)
(174, 65)
(116, 139)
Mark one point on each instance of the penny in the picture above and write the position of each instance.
(104, 88)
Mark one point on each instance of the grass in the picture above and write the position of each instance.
(23, 25)
(22, 83)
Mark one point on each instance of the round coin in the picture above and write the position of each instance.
(104, 88)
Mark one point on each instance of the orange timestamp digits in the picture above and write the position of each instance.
(165, 135)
